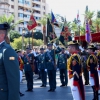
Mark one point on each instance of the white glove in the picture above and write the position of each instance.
(54, 45)
(67, 52)
(81, 48)
(38, 69)
(34, 53)
(57, 69)
(45, 70)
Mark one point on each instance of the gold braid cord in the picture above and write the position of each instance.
(94, 58)
(70, 61)
(98, 54)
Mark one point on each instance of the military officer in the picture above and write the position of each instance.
(92, 64)
(85, 71)
(62, 65)
(9, 68)
(42, 67)
(98, 57)
(21, 66)
(28, 67)
(75, 71)
(50, 64)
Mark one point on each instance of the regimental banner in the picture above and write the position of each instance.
(32, 23)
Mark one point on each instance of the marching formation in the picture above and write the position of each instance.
(73, 62)
(73, 59)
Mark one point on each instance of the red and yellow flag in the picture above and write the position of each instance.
(32, 23)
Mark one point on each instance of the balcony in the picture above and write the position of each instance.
(37, 14)
(27, 12)
(24, 5)
(36, 8)
(36, 1)
(20, 11)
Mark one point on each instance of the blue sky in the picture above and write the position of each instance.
(69, 8)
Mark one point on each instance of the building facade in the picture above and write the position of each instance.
(22, 10)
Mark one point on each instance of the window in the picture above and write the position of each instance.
(12, 6)
(43, 13)
(39, 24)
(20, 15)
(44, 7)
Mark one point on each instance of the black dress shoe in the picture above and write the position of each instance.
(53, 90)
(29, 90)
(21, 94)
(50, 90)
(62, 85)
(42, 86)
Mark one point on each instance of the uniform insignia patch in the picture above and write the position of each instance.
(11, 58)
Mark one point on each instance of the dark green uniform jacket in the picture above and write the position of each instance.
(9, 73)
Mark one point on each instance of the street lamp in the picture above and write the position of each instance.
(23, 32)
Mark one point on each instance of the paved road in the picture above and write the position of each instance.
(61, 93)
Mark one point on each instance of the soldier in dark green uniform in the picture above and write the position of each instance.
(62, 65)
(42, 67)
(9, 68)
(51, 67)
(28, 60)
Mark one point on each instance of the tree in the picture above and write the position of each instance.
(97, 24)
(98, 14)
(9, 20)
(89, 15)
(17, 44)
(13, 35)
(74, 28)
(43, 21)
(38, 35)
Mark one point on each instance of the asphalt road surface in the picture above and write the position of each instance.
(61, 93)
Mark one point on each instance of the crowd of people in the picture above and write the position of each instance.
(72, 62)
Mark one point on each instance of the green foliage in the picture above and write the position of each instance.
(98, 14)
(14, 34)
(17, 44)
(89, 14)
(10, 19)
(38, 35)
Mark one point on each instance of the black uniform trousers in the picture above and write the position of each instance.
(29, 79)
(43, 75)
(63, 77)
(52, 78)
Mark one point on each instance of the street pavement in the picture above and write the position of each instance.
(61, 93)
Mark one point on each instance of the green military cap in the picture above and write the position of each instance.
(73, 43)
(63, 48)
(41, 48)
(28, 48)
(18, 51)
(49, 44)
(4, 26)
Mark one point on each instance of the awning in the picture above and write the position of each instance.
(95, 37)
